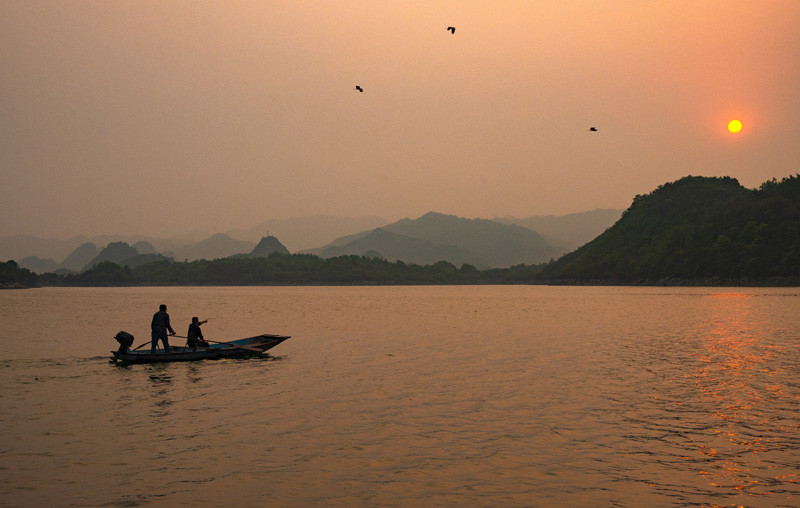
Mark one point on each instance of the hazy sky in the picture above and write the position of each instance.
(159, 117)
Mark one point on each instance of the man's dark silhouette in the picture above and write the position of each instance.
(159, 327)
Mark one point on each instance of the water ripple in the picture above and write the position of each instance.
(492, 396)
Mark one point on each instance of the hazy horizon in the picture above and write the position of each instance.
(238, 230)
(159, 118)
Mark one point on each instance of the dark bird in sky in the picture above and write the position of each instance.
(452, 29)
(593, 129)
(358, 88)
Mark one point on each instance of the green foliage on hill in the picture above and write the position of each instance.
(287, 269)
(695, 228)
(11, 275)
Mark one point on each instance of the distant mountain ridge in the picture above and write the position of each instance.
(127, 255)
(300, 233)
(216, 246)
(80, 257)
(391, 246)
(267, 246)
(21, 246)
(441, 240)
(38, 265)
(77, 260)
(705, 230)
(568, 231)
(296, 233)
(114, 251)
(439, 237)
(124, 255)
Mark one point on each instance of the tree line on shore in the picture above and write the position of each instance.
(694, 231)
(288, 269)
(12, 276)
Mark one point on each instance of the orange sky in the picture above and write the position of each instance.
(156, 118)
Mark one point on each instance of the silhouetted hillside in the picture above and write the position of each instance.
(215, 247)
(116, 252)
(38, 265)
(12, 276)
(501, 245)
(300, 233)
(568, 231)
(265, 247)
(122, 254)
(393, 247)
(144, 247)
(143, 259)
(696, 228)
(21, 246)
(303, 233)
(80, 257)
(480, 242)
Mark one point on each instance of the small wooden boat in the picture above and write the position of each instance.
(252, 346)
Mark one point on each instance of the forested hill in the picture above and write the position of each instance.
(13, 277)
(696, 228)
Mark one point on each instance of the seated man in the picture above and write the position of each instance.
(195, 335)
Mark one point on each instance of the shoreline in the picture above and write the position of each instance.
(14, 285)
(776, 282)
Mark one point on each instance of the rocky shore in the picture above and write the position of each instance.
(12, 285)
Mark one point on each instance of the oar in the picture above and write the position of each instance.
(237, 346)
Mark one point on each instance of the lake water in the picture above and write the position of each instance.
(485, 396)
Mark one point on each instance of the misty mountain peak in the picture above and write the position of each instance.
(267, 246)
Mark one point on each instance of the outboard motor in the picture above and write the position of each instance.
(125, 340)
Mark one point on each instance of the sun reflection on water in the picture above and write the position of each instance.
(742, 388)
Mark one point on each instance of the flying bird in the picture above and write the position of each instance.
(358, 88)
(593, 129)
(452, 29)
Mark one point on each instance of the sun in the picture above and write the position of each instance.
(734, 126)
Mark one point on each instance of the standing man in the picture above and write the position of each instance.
(159, 328)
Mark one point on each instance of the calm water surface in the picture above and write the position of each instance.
(407, 396)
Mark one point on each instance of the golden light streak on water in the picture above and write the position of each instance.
(737, 353)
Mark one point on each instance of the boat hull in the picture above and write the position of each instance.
(251, 346)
